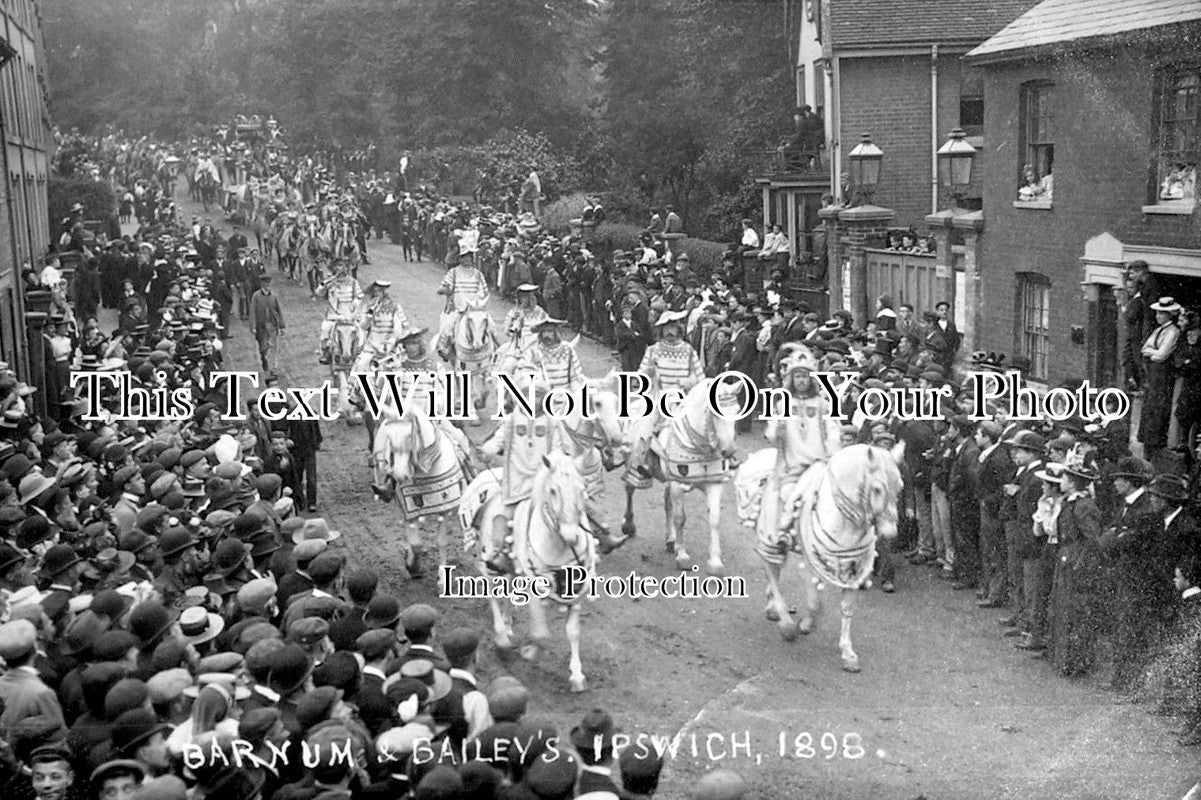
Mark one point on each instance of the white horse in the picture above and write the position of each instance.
(346, 341)
(550, 533)
(693, 451)
(474, 350)
(426, 465)
(834, 513)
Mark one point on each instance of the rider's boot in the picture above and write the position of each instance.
(443, 348)
(606, 541)
(385, 492)
(500, 561)
(326, 357)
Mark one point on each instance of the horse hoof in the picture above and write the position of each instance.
(771, 615)
(530, 652)
(683, 562)
(578, 685)
(670, 547)
(850, 665)
(716, 569)
(788, 631)
(628, 529)
(504, 648)
(805, 626)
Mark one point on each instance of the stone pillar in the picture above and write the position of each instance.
(858, 225)
(833, 254)
(971, 225)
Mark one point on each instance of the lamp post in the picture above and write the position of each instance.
(955, 165)
(865, 169)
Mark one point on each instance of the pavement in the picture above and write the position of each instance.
(944, 706)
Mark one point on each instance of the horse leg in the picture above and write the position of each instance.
(713, 494)
(777, 609)
(627, 525)
(539, 631)
(577, 680)
(850, 661)
(502, 630)
(809, 589)
(673, 497)
(413, 557)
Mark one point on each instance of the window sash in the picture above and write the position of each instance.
(1034, 321)
(1038, 129)
(1179, 120)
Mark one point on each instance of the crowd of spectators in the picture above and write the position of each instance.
(176, 623)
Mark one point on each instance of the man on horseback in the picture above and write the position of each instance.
(523, 441)
(557, 361)
(464, 286)
(344, 295)
(383, 320)
(522, 318)
(807, 435)
(670, 363)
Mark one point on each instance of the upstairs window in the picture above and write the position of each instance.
(1035, 181)
(1179, 135)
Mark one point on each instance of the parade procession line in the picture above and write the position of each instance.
(944, 708)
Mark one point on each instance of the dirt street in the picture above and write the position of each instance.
(944, 707)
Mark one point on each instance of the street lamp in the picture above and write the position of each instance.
(865, 167)
(955, 164)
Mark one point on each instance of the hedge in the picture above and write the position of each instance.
(98, 199)
(705, 255)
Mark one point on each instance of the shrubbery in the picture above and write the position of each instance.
(97, 198)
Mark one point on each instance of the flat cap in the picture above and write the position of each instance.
(253, 596)
(168, 685)
(309, 630)
(460, 642)
(308, 550)
(375, 643)
(720, 784)
(17, 639)
(418, 618)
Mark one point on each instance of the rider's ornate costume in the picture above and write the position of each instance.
(383, 321)
(343, 295)
(465, 286)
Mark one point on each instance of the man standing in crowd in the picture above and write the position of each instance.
(267, 324)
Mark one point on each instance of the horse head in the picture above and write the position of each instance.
(603, 408)
(476, 324)
(880, 485)
(720, 417)
(560, 493)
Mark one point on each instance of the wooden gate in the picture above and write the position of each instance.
(905, 277)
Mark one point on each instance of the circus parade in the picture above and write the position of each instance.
(697, 400)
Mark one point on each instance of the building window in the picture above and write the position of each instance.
(1035, 182)
(819, 88)
(971, 115)
(1179, 133)
(1033, 320)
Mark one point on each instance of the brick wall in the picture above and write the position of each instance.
(1103, 140)
(889, 97)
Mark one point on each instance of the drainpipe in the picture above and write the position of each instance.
(934, 129)
(835, 113)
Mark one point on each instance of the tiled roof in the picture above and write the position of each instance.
(867, 23)
(1057, 21)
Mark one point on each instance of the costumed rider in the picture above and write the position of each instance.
(522, 318)
(558, 364)
(808, 434)
(344, 296)
(465, 287)
(382, 321)
(557, 361)
(415, 367)
(523, 441)
(670, 363)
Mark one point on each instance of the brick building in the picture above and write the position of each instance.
(1104, 97)
(27, 137)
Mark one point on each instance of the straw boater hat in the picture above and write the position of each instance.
(668, 317)
(549, 322)
(1167, 305)
(527, 287)
(412, 332)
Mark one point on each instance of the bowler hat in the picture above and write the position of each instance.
(1132, 468)
(59, 559)
(595, 731)
(1169, 487)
